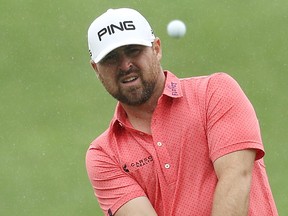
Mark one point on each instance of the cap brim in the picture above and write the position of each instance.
(113, 46)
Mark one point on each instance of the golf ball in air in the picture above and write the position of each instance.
(176, 28)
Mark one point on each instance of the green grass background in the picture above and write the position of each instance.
(52, 105)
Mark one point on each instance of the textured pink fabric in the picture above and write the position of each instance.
(197, 120)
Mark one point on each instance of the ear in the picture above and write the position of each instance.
(94, 66)
(157, 48)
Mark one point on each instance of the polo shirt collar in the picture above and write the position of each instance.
(172, 85)
(172, 89)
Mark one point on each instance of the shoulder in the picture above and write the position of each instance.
(101, 146)
(101, 140)
(222, 80)
(101, 154)
(206, 86)
(211, 80)
(220, 83)
(215, 78)
(105, 145)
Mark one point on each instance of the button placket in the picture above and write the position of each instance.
(165, 161)
(163, 156)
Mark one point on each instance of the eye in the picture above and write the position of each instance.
(133, 50)
(110, 58)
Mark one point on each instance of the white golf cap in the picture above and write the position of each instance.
(116, 28)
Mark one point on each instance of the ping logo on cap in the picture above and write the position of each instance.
(111, 29)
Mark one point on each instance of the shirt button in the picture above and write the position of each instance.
(159, 144)
(167, 166)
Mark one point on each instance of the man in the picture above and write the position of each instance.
(174, 146)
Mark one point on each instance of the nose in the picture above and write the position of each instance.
(124, 62)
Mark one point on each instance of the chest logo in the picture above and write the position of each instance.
(139, 163)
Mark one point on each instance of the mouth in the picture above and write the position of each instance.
(129, 79)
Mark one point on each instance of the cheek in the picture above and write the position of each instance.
(106, 76)
(155, 66)
(108, 83)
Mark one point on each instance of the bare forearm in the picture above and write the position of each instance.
(234, 173)
(231, 198)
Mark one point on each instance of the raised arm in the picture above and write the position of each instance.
(139, 206)
(234, 172)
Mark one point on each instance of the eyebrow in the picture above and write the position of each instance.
(125, 47)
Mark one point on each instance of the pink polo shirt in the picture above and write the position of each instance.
(196, 121)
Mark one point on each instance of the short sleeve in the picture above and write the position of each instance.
(112, 186)
(232, 124)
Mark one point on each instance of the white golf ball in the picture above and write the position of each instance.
(176, 28)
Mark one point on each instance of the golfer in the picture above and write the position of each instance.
(175, 147)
